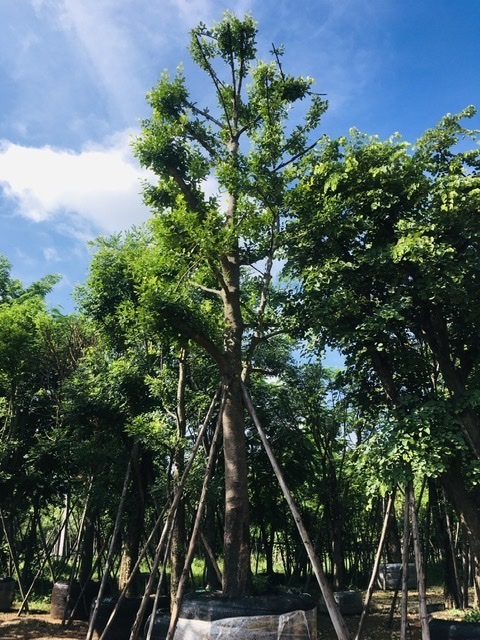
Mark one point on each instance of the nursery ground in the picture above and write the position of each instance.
(38, 625)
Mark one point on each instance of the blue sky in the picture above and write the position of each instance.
(74, 74)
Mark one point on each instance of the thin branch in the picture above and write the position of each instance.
(207, 289)
(293, 159)
(277, 57)
(216, 81)
(204, 113)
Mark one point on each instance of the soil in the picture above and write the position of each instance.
(38, 626)
(41, 626)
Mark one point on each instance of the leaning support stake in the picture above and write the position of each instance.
(376, 564)
(405, 545)
(47, 551)
(332, 607)
(76, 556)
(13, 555)
(111, 550)
(170, 517)
(419, 565)
(193, 538)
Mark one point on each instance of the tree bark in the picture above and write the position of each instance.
(135, 526)
(436, 332)
(177, 545)
(419, 564)
(237, 580)
(236, 541)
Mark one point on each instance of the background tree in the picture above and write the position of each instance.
(386, 244)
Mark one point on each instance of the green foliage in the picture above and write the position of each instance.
(385, 245)
(473, 615)
(186, 144)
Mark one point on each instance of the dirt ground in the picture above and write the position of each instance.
(38, 626)
(41, 626)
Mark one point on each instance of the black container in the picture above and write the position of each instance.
(389, 576)
(7, 592)
(63, 603)
(161, 623)
(273, 617)
(124, 618)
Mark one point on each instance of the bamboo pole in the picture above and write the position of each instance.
(422, 599)
(193, 538)
(170, 518)
(332, 607)
(405, 545)
(376, 565)
(111, 550)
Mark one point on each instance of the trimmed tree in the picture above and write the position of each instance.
(204, 247)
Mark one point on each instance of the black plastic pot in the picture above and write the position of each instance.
(350, 603)
(451, 630)
(270, 617)
(7, 592)
(124, 619)
(161, 623)
(208, 606)
(63, 603)
(389, 576)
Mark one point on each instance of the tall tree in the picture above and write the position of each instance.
(386, 245)
(204, 245)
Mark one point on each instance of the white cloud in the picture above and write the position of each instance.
(98, 186)
(51, 254)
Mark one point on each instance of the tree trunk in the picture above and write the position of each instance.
(237, 580)
(338, 559)
(450, 588)
(463, 503)
(211, 576)
(393, 543)
(436, 332)
(178, 542)
(134, 528)
(236, 541)
(87, 549)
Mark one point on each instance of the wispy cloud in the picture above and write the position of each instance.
(125, 46)
(98, 186)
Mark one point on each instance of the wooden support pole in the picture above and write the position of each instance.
(170, 518)
(13, 555)
(76, 556)
(193, 539)
(405, 545)
(332, 607)
(111, 550)
(368, 595)
(419, 565)
(47, 552)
